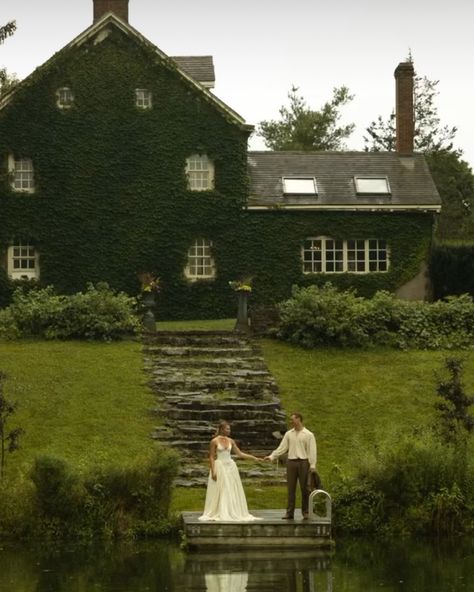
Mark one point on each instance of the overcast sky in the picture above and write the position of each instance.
(263, 47)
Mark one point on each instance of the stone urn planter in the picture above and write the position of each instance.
(149, 303)
(242, 323)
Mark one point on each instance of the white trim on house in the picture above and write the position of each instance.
(324, 254)
(200, 172)
(22, 261)
(350, 208)
(22, 174)
(200, 262)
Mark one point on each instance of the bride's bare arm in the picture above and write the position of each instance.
(212, 459)
(236, 450)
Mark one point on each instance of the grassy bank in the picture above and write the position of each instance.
(89, 403)
(86, 403)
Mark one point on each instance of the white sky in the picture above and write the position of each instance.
(263, 47)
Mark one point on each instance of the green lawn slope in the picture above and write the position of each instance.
(89, 403)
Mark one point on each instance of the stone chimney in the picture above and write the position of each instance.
(405, 115)
(118, 7)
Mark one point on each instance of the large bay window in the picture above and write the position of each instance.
(326, 255)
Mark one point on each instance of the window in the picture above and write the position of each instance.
(372, 185)
(200, 261)
(23, 261)
(64, 98)
(143, 98)
(300, 186)
(22, 174)
(326, 255)
(200, 172)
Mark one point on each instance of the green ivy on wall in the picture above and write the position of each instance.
(111, 198)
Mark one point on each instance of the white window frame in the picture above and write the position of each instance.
(143, 98)
(323, 254)
(200, 262)
(372, 185)
(23, 261)
(22, 174)
(200, 172)
(300, 186)
(64, 97)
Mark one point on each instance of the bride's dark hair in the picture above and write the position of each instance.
(220, 426)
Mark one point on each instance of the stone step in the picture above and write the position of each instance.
(250, 363)
(200, 338)
(195, 351)
(230, 414)
(199, 404)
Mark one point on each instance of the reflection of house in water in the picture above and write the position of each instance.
(262, 571)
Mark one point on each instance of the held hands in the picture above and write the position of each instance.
(267, 459)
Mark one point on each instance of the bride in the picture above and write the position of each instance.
(225, 497)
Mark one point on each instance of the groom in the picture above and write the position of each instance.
(300, 444)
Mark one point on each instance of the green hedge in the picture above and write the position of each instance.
(452, 269)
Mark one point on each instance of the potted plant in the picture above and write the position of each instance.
(150, 287)
(243, 288)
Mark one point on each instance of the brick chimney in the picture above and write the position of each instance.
(118, 7)
(405, 117)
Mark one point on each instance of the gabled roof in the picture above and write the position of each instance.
(99, 30)
(409, 179)
(201, 68)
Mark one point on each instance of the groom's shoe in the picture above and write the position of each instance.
(287, 517)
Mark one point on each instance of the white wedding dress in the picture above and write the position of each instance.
(225, 497)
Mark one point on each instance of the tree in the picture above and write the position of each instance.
(430, 135)
(8, 440)
(302, 128)
(7, 81)
(452, 175)
(7, 30)
(455, 418)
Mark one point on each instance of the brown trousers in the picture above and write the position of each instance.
(297, 470)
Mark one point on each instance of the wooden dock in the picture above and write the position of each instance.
(268, 532)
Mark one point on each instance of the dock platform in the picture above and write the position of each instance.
(270, 531)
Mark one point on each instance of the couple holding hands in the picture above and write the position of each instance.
(225, 497)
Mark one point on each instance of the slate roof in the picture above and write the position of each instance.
(201, 68)
(410, 181)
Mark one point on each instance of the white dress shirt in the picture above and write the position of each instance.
(299, 444)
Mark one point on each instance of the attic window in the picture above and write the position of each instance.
(372, 185)
(299, 186)
(143, 98)
(64, 98)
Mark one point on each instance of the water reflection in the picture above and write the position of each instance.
(265, 571)
(355, 566)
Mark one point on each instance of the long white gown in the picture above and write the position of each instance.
(225, 497)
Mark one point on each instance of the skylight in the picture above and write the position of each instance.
(300, 186)
(372, 185)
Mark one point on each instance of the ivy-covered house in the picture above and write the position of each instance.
(118, 159)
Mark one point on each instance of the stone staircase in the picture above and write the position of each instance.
(201, 377)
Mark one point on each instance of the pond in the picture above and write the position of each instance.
(159, 566)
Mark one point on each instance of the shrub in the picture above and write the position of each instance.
(99, 313)
(410, 483)
(115, 501)
(323, 316)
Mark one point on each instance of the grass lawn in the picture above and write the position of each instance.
(87, 403)
(350, 398)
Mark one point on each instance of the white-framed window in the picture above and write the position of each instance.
(22, 261)
(372, 185)
(143, 98)
(64, 97)
(200, 263)
(327, 255)
(299, 186)
(200, 172)
(22, 174)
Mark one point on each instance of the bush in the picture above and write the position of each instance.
(411, 483)
(112, 502)
(323, 316)
(99, 313)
